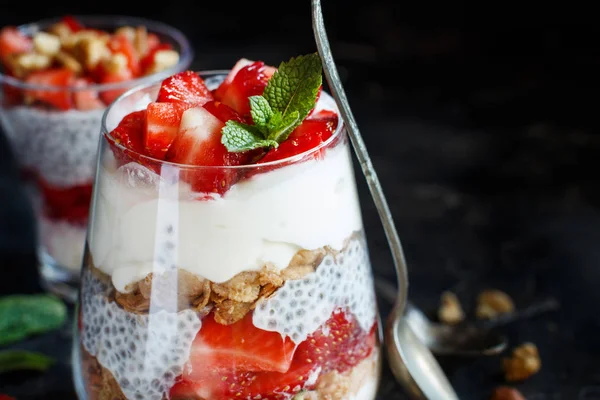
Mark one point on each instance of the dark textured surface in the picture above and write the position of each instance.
(487, 148)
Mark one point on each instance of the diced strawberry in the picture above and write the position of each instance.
(86, 100)
(238, 347)
(72, 22)
(185, 87)
(309, 134)
(241, 63)
(57, 77)
(12, 41)
(152, 41)
(223, 111)
(162, 126)
(71, 204)
(199, 143)
(108, 96)
(250, 80)
(129, 133)
(148, 59)
(119, 43)
(346, 343)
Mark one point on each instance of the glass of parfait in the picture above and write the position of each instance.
(57, 77)
(226, 256)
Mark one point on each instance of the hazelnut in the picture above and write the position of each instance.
(69, 61)
(90, 51)
(23, 64)
(116, 63)
(127, 31)
(506, 393)
(140, 40)
(523, 363)
(491, 303)
(163, 59)
(450, 311)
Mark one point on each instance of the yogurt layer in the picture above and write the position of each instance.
(145, 223)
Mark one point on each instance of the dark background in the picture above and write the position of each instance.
(481, 119)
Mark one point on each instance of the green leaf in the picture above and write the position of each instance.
(261, 111)
(294, 86)
(241, 137)
(25, 315)
(285, 127)
(13, 360)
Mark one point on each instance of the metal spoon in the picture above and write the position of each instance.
(477, 338)
(411, 362)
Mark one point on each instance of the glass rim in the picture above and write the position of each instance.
(288, 160)
(186, 52)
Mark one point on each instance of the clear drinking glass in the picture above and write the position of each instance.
(265, 292)
(56, 151)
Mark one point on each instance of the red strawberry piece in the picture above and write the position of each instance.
(162, 126)
(12, 41)
(185, 87)
(130, 134)
(86, 100)
(250, 80)
(241, 63)
(119, 43)
(340, 346)
(71, 203)
(223, 111)
(148, 59)
(57, 77)
(309, 134)
(152, 41)
(199, 143)
(72, 22)
(108, 96)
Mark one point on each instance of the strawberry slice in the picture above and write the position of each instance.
(71, 204)
(241, 63)
(162, 126)
(73, 24)
(309, 134)
(238, 347)
(12, 41)
(86, 100)
(223, 111)
(346, 343)
(108, 96)
(199, 143)
(250, 80)
(119, 43)
(129, 133)
(57, 77)
(185, 87)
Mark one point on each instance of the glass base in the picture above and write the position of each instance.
(56, 279)
(76, 366)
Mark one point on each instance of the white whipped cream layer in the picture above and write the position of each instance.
(145, 223)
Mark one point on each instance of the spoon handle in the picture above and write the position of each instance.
(335, 85)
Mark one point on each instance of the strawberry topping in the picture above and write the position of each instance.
(73, 24)
(57, 77)
(71, 204)
(130, 134)
(185, 87)
(85, 100)
(223, 111)
(162, 126)
(12, 41)
(120, 43)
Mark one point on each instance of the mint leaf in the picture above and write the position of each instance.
(13, 360)
(241, 137)
(285, 126)
(261, 111)
(294, 86)
(25, 315)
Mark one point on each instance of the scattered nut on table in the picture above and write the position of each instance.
(491, 303)
(450, 311)
(506, 393)
(523, 363)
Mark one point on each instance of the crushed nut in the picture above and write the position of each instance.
(67, 60)
(506, 393)
(269, 275)
(140, 41)
(46, 43)
(450, 311)
(61, 30)
(524, 362)
(91, 50)
(244, 287)
(296, 272)
(115, 63)
(127, 31)
(491, 303)
(23, 64)
(163, 59)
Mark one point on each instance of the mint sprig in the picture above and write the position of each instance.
(287, 99)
